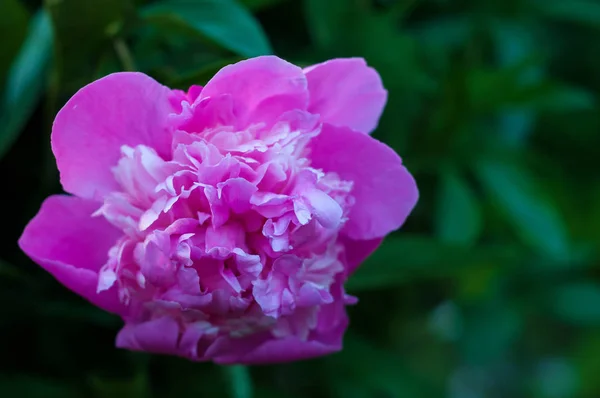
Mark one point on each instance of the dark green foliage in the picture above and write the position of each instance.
(492, 288)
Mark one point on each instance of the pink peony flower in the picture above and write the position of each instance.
(221, 223)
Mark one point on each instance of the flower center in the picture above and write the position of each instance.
(235, 233)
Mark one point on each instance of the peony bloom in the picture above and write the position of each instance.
(221, 223)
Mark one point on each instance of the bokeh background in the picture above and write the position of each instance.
(491, 289)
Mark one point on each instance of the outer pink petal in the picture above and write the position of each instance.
(287, 349)
(66, 241)
(120, 109)
(326, 339)
(262, 88)
(358, 251)
(384, 190)
(158, 336)
(346, 92)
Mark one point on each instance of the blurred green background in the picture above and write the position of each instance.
(492, 288)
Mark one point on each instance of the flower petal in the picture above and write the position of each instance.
(287, 349)
(384, 191)
(120, 109)
(158, 336)
(358, 251)
(262, 89)
(346, 92)
(261, 349)
(264, 348)
(70, 244)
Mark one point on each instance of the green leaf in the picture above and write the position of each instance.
(13, 28)
(171, 53)
(446, 321)
(513, 189)
(240, 381)
(224, 21)
(260, 4)
(583, 12)
(556, 378)
(25, 83)
(362, 369)
(458, 217)
(556, 97)
(84, 32)
(578, 303)
(400, 260)
(515, 42)
(587, 365)
(494, 88)
(442, 33)
(137, 386)
(517, 87)
(35, 387)
(328, 20)
(202, 75)
(347, 28)
(490, 331)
